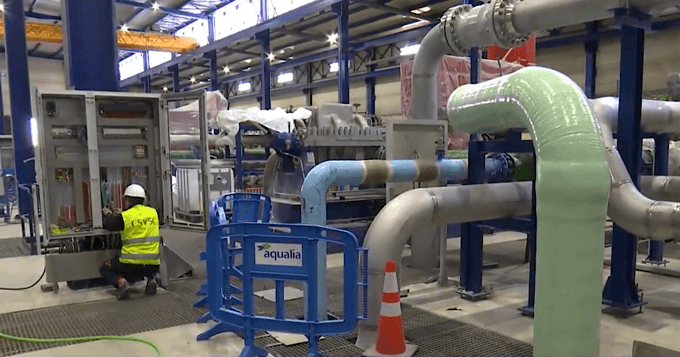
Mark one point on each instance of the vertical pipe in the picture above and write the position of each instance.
(592, 48)
(146, 80)
(265, 73)
(341, 10)
(212, 59)
(309, 92)
(370, 86)
(620, 290)
(175, 78)
(90, 43)
(20, 104)
(661, 142)
(264, 11)
(211, 29)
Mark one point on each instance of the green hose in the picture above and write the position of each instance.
(86, 339)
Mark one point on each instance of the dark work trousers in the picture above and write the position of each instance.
(113, 270)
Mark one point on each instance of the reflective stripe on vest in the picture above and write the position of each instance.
(141, 240)
(141, 236)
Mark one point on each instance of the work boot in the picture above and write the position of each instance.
(151, 286)
(123, 289)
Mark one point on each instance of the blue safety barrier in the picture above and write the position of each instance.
(231, 208)
(279, 252)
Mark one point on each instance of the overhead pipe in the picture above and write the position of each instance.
(657, 116)
(665, 188)
(572, 188)
(414, 209)
(505, 23)
(370, 172)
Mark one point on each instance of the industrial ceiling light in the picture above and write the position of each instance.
(248, 60)
(165, 89)
(155, 6)
(422, 10)
(124, 28)
(226, 69)
(333, 38)
(271, 56)
(193, 79)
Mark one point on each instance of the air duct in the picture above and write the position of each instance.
(413, 209)
(572, 188)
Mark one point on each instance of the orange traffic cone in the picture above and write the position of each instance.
(391, 341)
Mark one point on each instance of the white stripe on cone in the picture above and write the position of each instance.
(390, 309)
(391, 285)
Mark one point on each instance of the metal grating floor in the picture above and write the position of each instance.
(12, 247)
(108, 317)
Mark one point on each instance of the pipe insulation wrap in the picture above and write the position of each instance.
(572, 186)
(430, 207)
(629, 208)
(661, 187)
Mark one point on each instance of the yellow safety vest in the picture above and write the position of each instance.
(141, 236)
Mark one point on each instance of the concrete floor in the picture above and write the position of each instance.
(657, 325)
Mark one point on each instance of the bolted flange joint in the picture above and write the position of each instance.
(506, 34)
(448, 32)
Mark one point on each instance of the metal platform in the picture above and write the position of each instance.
(12, 247)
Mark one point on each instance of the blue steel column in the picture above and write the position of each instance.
(175, 78)
(265, 71)
(146, 80)
(370, 86)
(212, 59)
(620, 290)
(309, 92)
(2, 112)
(472, 238)
(341, 10)
(90, 45)
(591, 61)
(20, 103)
(661, 142)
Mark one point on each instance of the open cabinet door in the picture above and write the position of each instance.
(196, 175)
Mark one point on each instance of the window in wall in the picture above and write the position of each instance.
(198, 30)
(158, 57)
(236, 16)
(280, 7)
(131, 66)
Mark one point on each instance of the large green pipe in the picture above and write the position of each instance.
(572, 188)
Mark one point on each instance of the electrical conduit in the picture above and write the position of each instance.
(572, 186)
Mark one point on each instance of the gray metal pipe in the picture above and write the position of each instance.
(657, 116)
(507, 23)
(629, 208)
(537, 15)
(665, 188)
(414, 209)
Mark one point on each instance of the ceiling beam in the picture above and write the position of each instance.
(166, 10)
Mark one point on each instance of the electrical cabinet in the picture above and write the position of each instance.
(91, 146)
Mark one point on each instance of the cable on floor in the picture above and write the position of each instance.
(86, 339)
(27, 287)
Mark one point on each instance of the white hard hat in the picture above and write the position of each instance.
(135, 190)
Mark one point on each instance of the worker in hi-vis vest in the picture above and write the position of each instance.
(140, 253)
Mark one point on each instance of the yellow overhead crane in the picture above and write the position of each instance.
(45, 33)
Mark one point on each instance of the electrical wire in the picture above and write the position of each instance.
(86, 339)
(27, 287)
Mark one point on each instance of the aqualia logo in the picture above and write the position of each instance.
(278, 254)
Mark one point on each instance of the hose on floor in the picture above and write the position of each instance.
(86, 339)
(27, 287)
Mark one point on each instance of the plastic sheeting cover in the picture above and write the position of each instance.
(572, 188)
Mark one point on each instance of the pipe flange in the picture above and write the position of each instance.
(505, 31)
(448, 31)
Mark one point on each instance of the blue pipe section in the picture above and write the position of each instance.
(319, 180)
